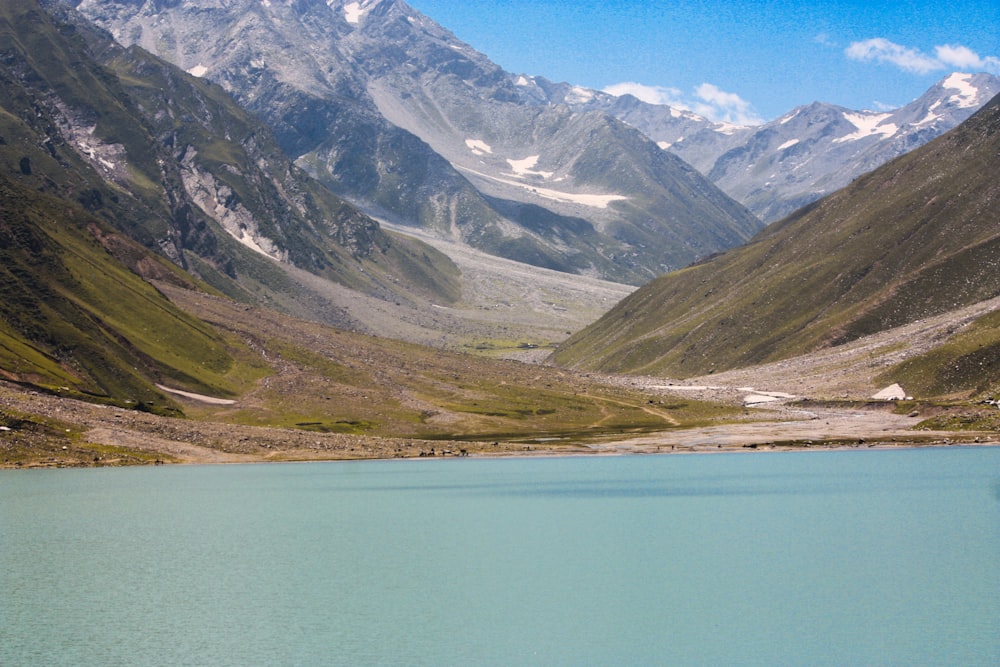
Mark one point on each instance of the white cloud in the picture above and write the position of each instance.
(883, 51)
(706, 100)
(648, 94)
(719, 105)
(965, 58)
(947, 56)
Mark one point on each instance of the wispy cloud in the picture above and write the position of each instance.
(825, 39)
(883, 51)
(948, 56)
(706, 100)
(648, 94)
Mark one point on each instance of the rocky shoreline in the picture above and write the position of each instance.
(81, 434)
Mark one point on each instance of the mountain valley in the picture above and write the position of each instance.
(398, 249)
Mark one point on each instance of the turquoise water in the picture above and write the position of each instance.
(820, 558)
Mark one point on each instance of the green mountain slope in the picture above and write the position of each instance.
(116, 167)
(914, 238)
(75, 319)
(173, 161)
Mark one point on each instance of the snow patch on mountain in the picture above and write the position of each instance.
(867, 125)
(968, 94)
(198, 71)
(791, 116)
(478, 146)
(931, 115)
(728, 128)
(788, 144)
(591, 200)
(578, 95)
(526, 166)
(353, 12)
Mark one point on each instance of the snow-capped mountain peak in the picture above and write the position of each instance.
(814, 149)
(968, 95)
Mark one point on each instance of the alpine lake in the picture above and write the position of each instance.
(862, 557)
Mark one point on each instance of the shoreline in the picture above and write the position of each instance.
(80, 434)
(533, 454)
(195, 455)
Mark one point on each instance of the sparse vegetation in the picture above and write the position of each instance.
(325, 379)
(966, 363)
(303, 377)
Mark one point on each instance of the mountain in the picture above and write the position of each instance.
(915, 238)
(175, 163)
(696, 139)
(775, 168)
(126, 186)
(76, 320)
(391, 111)
(115, 167)
(820, 148)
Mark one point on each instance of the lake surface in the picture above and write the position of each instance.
(819, 558)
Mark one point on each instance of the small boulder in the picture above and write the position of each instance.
(891, 393)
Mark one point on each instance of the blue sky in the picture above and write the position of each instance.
(735, 61)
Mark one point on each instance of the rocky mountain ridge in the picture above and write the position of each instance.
(813, 150)
(390, 110)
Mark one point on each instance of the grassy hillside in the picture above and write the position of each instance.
(102, 151)
(965, 362)
(914, 238)
(330, 380)
(298, 389)
(75, 320)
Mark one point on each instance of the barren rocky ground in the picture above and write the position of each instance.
(508, 309)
